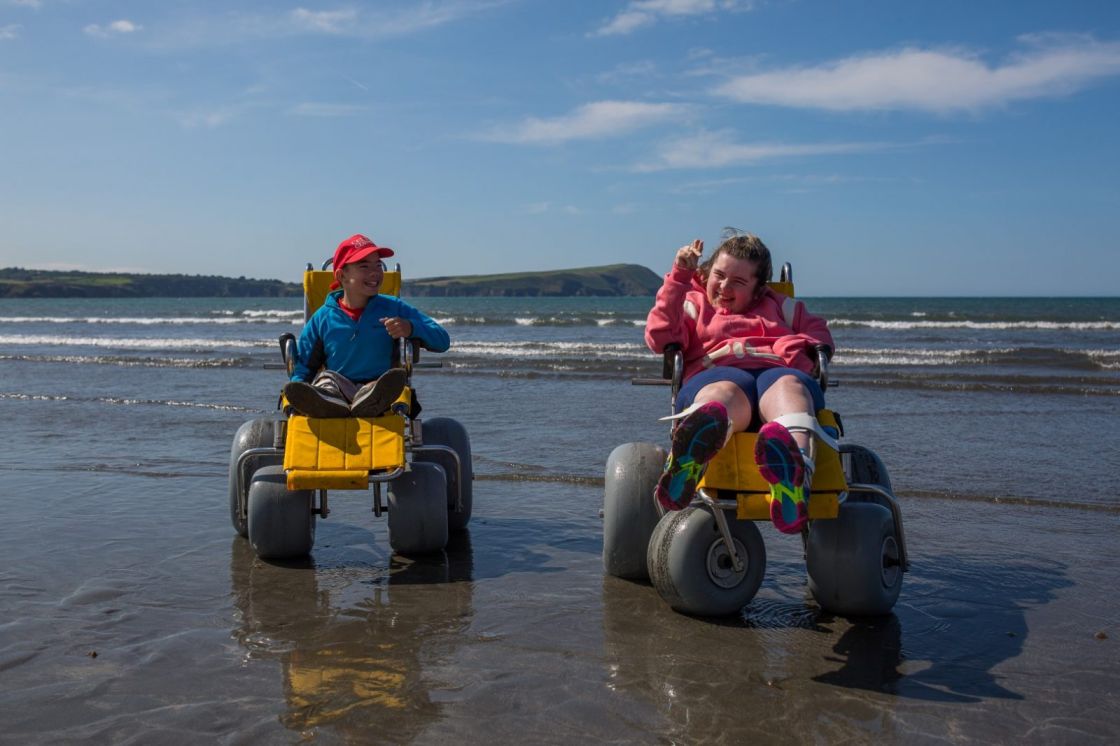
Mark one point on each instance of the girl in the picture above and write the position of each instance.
(747, 359)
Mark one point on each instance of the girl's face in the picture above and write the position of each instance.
(732, 283)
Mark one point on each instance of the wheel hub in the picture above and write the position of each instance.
(891, 564)
(721, 566)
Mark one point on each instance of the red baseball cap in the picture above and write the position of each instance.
(354, 249)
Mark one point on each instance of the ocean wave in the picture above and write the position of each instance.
(129, 343)
(904, 356)
(248, 317)
(583, 350)
(538, 321)
(133, 362)
(977, 325)
(13, 396)
(1034, 357)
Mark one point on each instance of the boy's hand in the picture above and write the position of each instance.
(689, 256)
(397, 327)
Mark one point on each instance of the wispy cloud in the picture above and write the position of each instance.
(543, 208)
(318, 109)
(207, 118)
(596, 120)
(347, 21)
(719, 150)
(934, 80)
(27, 3)
(641, 13)
(11, 31)
(115, 28)
(325, 21)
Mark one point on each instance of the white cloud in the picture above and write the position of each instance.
(349, 22)
(327, 21)
(27, 3)
(206, 118)
(933, 80)
(11, 31)
(595, 120)
(719, 150)
(317, 109)
(640, 13)
(116, 28)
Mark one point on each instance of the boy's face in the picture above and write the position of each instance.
(361, 280)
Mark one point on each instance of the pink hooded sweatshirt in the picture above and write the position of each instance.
(775, 331)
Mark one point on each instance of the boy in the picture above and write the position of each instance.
(352, 337)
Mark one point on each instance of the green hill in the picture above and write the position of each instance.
(38, 283)
(614, 279)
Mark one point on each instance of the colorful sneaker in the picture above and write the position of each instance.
(696, 440)
(314, 402)
(781, 464)
(374, 399)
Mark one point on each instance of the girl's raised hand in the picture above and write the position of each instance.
(688, 257)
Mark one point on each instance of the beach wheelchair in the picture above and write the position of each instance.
(282, 467)
(709, 558)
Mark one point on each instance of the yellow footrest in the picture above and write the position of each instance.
(755, 506)
(348, 444)
(301, 479)
(734, 470)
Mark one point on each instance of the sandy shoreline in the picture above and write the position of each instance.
(1006, 630)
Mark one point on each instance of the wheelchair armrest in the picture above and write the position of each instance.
(823, 355)
(288, 351)
(672, 364)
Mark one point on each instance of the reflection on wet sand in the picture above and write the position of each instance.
(356, 646)
(784, 671)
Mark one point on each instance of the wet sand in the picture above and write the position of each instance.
(129, 612)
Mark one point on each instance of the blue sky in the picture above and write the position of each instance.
(884, 147)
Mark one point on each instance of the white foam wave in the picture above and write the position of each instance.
(249, 318)
(979, 325)
(126, 343)
(551, 349)
(285, 314)
(1107, 359)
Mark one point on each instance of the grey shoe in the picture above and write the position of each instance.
(314, 402)
(374, 398)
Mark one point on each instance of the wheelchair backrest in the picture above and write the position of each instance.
(317, 283)
(785, 288)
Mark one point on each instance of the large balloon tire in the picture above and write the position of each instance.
(418, 510)
(444, 431)
(853, 561)
(865, 466)
(629, 510)
(692, 570)
(281, 521)
(258, 433)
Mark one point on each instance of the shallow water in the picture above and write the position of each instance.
(130, 611)
(517, 635)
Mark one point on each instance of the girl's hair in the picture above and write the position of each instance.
(747, 246)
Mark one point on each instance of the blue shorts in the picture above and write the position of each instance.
(754, 384)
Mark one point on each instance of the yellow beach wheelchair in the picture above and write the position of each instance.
(709, 558)
(281, 467)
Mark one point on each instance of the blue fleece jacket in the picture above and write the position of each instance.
(360, 350)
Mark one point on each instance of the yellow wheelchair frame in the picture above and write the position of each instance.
(282, 467)
(704, 563)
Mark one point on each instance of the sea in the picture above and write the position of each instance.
(131, 612)
(971, 397)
